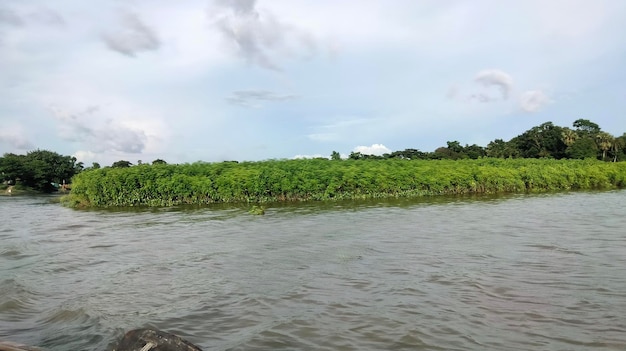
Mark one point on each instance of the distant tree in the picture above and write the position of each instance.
(474, 151)
(545, 140)
(453, 151)
(95, 165)
(455, 147)
(39, 169)
(121, 164)
(158, 161)
(498, 148)
(619, 148)
(568, 136)
(335, 156)
(604, 141)
(586, 127)
(409, 154)
(442, 153)
(356, 156)
(582, 148)
(11, 167)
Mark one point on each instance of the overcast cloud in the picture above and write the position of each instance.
(251, 80)
(253, 98)
(258, 36)
(131, 36)
(494, 78)
(9, 17)
(108, 136)
(533, 100)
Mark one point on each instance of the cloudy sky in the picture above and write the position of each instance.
(251, 80)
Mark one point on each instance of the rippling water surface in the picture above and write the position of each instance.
(540, 272)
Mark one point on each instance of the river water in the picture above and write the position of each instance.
(519, 272)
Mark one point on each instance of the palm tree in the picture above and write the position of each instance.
(618, 144)
(604, 141)
(569, 136)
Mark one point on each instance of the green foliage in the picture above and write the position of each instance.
(121, 164)
(302, 180)
(545, 140)
(39, 169)
(582, 148)
(257, 210)
(585, 127)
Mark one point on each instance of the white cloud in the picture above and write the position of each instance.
(257, 35)
(100, 133)
(132, 37)
(494, 78)
(14, 136)
(252, 98)
(533, 100)
(375, 149)
(9, 16)
(85, 157)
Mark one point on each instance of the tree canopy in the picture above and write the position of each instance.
(41, 170)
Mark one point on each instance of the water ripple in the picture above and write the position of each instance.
(502, 273)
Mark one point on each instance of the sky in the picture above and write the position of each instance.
(202, 80)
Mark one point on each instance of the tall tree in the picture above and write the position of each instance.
(619, 146)
(474, 151)
(12, 167)
(544, 140)
(39, 169)
(569, 136)
(582, 148)
(121, 164)
(586, 127)
(604, 141)
(502, 149)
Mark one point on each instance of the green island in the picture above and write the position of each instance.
(544, 158)
(316, 179)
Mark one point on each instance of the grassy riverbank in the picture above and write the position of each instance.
(319, 179)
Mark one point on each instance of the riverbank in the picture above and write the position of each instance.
(11, 190)
(320, 179)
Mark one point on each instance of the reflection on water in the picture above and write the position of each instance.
(516, 272)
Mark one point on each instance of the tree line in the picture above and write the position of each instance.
(44, 170)
(584, 140)
(41, 170)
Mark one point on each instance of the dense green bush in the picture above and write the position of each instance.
(319, 179)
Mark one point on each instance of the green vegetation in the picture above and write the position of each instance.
(39, 170)
(547, 140)
(319, 179)
(257, 210)
(545, 157)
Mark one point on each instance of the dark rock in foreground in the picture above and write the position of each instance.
(134, 340)
(153, 340)
(11, 346)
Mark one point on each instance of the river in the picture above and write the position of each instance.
(515, 272)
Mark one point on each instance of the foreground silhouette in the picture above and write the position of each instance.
(134, 340)
(153, 340)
